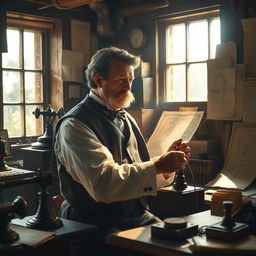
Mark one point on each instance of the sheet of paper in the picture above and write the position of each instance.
(219, 63)
(32, 237)
(227, 50)
(239, 169)
(249, 102)
(249, 42)
(221, 94)
(81, 38)
(72, 66)
(171, 126)
(224, 92)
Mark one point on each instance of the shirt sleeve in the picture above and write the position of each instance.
(162, 182)
(91, 164)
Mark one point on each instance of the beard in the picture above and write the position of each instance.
(123, 100)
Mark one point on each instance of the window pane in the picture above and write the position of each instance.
(12, 59)
(33, 87)
(32, 50)
(198, 41)
(13, 121)
(214, 36)
(11, 87)
(175, 43)
(197, 82)
(176, 83)
(33, 126)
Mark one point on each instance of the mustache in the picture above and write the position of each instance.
(126, 98)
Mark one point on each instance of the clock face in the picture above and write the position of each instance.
(137, 38)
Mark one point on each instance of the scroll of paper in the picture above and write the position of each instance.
(171, 126)
(239, 169)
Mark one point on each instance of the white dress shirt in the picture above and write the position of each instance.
(91, 164)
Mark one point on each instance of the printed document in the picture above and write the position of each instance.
(171, 126)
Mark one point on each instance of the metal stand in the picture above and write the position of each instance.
(227, 229)
(180, 181)
(45, 141)
(43, 219)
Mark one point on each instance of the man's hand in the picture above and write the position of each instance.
(175, 145)
(181, 146)
(170, 162)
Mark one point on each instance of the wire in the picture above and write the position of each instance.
(193, 182)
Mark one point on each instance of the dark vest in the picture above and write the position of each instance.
(94, 116)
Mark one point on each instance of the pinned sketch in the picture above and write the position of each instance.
(171, 126)
(225, 86)
(239, 169)
(221, 94)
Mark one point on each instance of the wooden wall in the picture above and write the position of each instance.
(231, 13)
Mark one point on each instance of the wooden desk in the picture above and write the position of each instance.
(15, 174)
(139, 239)
(59, 245)
(27, 191)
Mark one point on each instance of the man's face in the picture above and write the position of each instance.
(116, 89)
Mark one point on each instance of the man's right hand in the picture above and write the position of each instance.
(170, 162)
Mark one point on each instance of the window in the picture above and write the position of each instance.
(185, 45)
(22, 82)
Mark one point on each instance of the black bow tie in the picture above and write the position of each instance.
(113, 114)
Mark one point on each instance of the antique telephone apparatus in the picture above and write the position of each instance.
(45, 141)
(43, 219)
(179, 199)
(191, 195)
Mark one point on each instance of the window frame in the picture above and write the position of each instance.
(162, 22)
(41, 24)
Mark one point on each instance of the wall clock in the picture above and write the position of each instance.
(137, 38)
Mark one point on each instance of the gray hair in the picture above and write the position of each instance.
(101, 62)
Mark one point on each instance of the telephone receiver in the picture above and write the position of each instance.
(247, 214)
(179, 183)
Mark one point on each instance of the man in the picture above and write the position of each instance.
(104, 167)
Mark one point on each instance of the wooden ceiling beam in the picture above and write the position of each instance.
(142, 7)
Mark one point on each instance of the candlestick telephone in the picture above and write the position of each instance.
(247, 214)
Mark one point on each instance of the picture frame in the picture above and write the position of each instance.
(74, 92)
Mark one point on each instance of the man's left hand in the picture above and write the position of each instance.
(180, 146)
